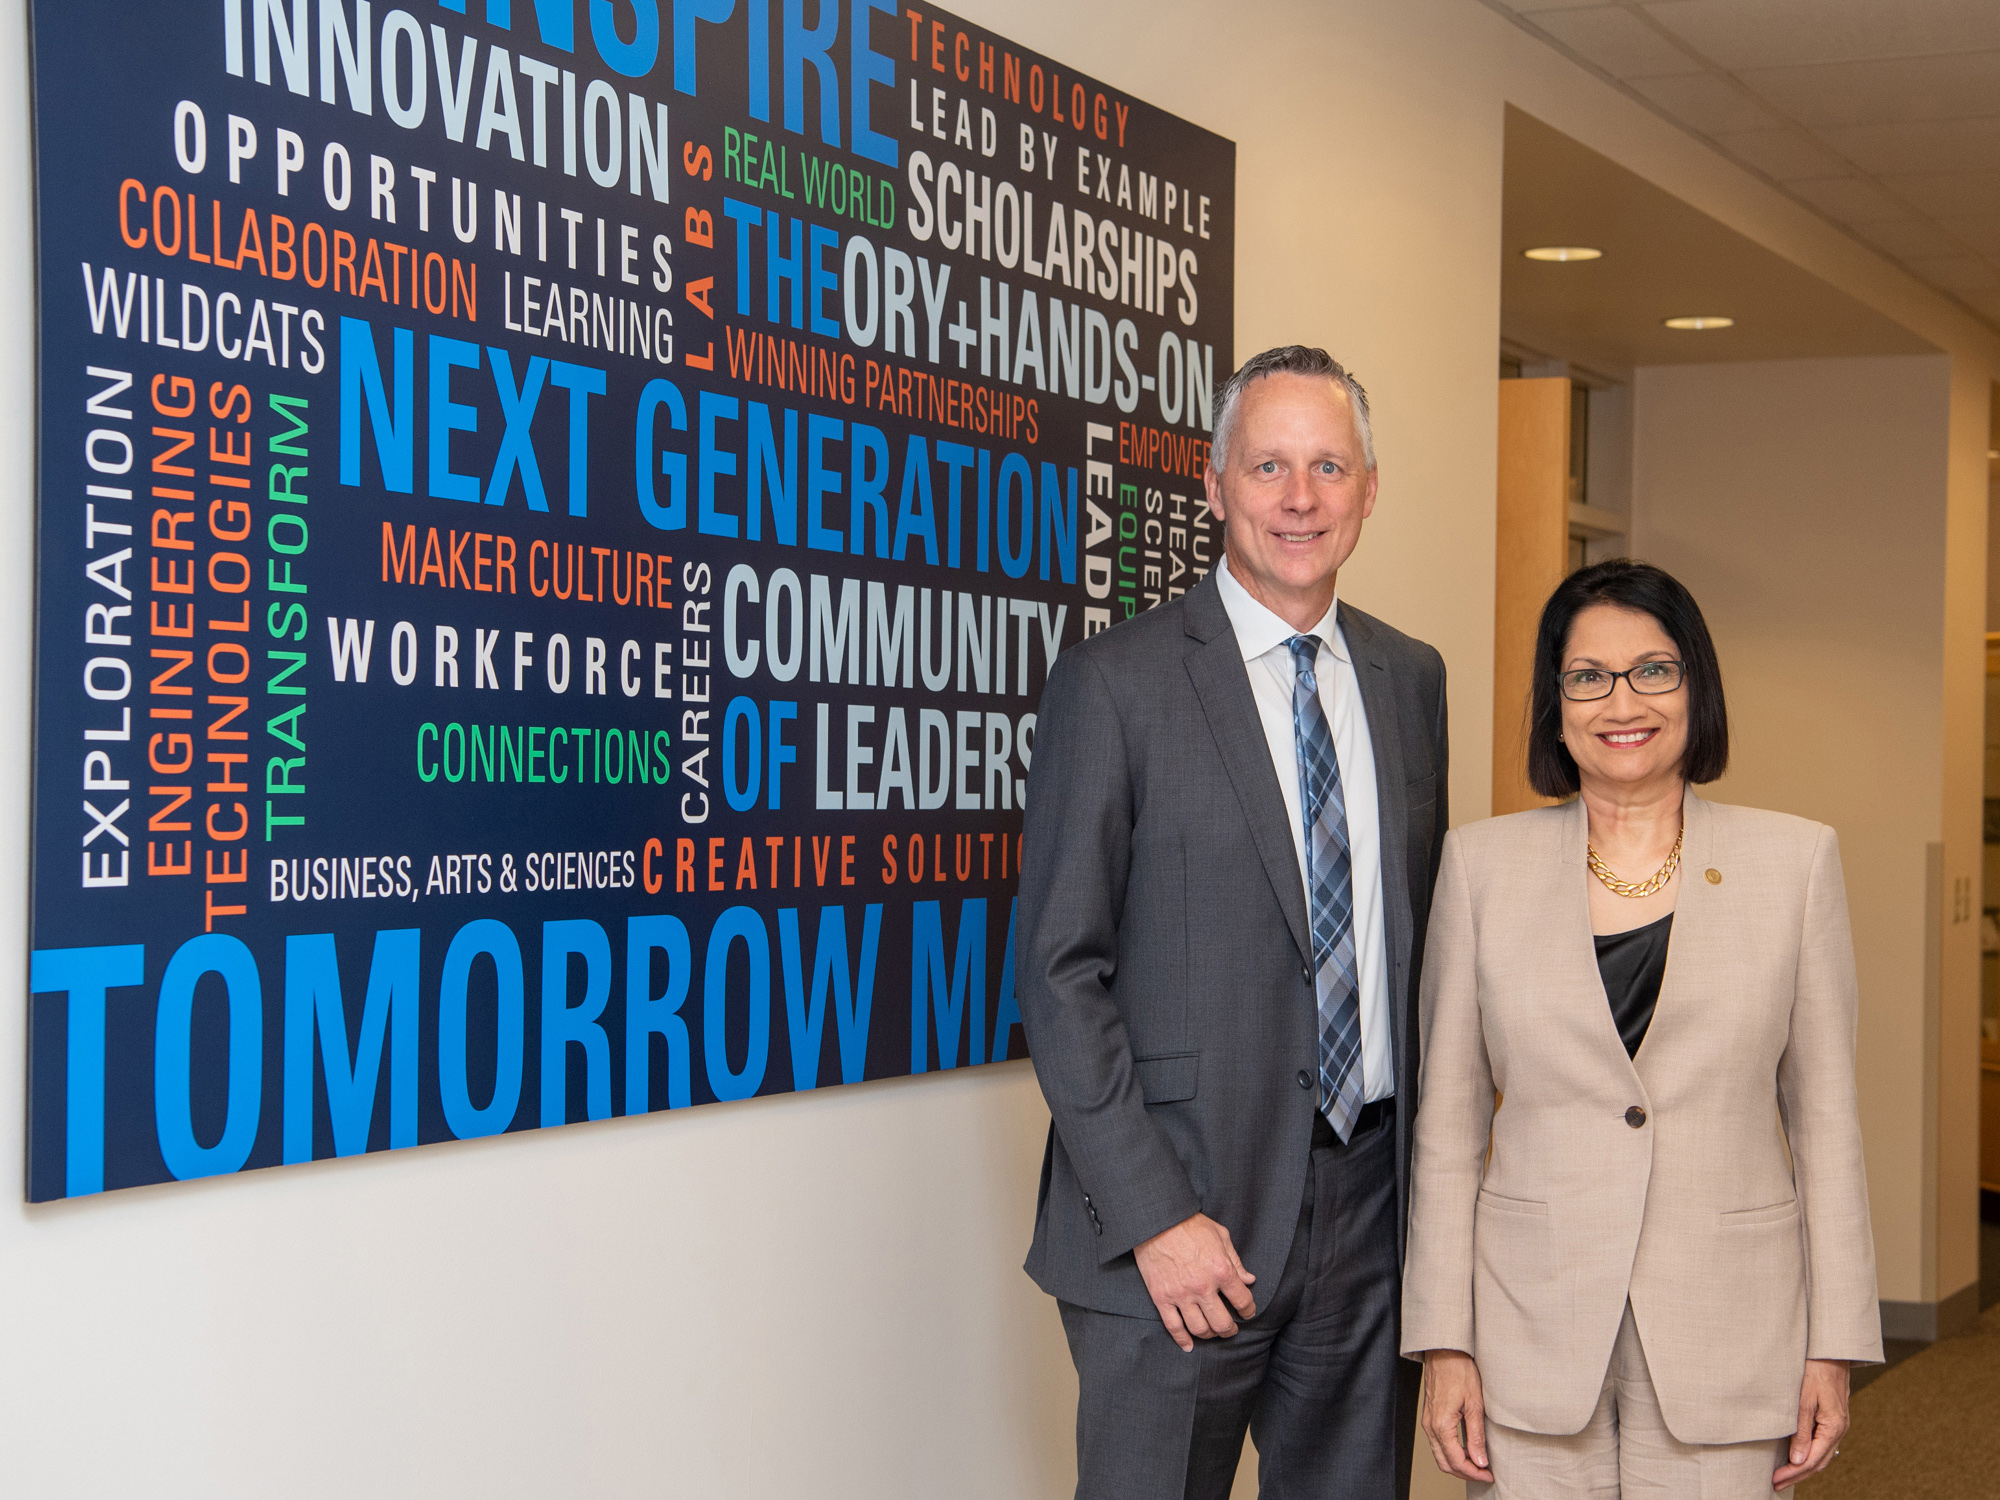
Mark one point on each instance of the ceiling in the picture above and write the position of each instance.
(1662, 258)
(1883, 116)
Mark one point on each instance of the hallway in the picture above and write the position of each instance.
(1913, 1417)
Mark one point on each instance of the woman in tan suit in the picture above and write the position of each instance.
(1657, 1279)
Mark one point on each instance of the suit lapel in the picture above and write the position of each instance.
(1385, 738)
(1571, 895)
(1684, 948)
(1222, 683)
(1691, 905)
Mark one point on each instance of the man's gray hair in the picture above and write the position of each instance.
(1288, 359)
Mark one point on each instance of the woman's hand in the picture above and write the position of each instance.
(1822, 1421)
(1452, 1397)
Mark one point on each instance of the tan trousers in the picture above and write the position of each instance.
(1625, 1450)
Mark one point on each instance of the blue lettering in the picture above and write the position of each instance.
(647, 1014)
(312, 992)
(517, 448)
(1017, 500)
(737, 922)
(635, 58)
(360, 374)
(686, 13)
(1058, 523)
(556, 19)
(965, 1001)
(746, 218)
(759, 15)
(1006, 1010)
(449, 416)
(781, 268)
(582, 382)
(982, 547)
(85, 973)
(764, 468)
(782, 754)
(914, 516)
(853, 996)
(712, 461)
(494, 940)
(173, 1066)
(866, 66)
(867, 496)
(742, 794)
(821, 481)
(802, 47)
(823, 280)
(565, 1025)
(673, 516)
(957, 458)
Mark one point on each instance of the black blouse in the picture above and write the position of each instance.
(1632, 964)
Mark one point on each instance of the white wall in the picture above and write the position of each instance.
(809, 1296)
(805, 1296)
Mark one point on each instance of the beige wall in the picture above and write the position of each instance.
(1961, 831)
(1992, 560)
(814, 1295)
(1797, 500)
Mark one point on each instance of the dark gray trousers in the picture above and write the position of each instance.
(1315, 1377)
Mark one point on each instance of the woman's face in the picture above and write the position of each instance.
(1627, 738)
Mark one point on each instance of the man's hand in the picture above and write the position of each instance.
(1195, 1278)
(1454, 1396)
(1822, 1421)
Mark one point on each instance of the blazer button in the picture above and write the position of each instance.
(1306, 973)
(1305, 1079)
(1635, 1117)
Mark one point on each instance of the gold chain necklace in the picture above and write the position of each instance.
(1634, 889)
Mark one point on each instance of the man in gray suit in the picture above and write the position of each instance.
(1238, 809)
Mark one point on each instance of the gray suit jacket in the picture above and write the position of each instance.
(1162, 948)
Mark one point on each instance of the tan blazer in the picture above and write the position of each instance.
(1734, 1215)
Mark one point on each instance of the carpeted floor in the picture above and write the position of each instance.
(1917, 1426)
(1917, 1429)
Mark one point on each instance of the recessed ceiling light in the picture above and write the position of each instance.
(1701, 324)
(1562, 252)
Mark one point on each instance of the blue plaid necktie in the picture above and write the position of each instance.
(1330, 880)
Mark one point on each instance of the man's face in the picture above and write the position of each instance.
(1295, 492)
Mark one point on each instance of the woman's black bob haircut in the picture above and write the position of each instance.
(1651, 591)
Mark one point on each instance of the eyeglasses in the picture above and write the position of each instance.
(1649, 677)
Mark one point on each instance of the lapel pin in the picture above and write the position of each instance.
(1714, 877)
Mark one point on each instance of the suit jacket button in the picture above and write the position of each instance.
(1635, 1117)
(1306, 973)
(1305, 1079)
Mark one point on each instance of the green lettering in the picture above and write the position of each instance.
(284, 405)
(297, 660)
(290, 733)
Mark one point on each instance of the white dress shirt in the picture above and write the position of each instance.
(1267, 656)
